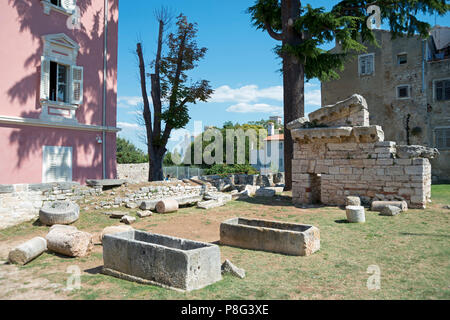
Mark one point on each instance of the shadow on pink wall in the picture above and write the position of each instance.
(32, 20)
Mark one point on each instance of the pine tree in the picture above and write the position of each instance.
(302, 30)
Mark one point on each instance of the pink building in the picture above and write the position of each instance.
(58, 90)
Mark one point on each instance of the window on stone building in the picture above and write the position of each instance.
(442, 138)
(442, 90)
(402, 58)
(403, 92)
(366, 64)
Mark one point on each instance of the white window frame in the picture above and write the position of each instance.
(66, 153)
(398, 57)
(397, 92)
(434, 89)
(372, 55)
(435, 140)
(59, 48)
(67, 7)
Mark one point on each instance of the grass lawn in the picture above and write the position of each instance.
(412, 251)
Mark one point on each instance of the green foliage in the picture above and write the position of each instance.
(182, 56)
(169, 158)
(346, 24)
(129, 153)
(265, 124)
(226, 132)
(223, 169)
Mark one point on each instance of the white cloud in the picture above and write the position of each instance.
(127, 125)
(179, 135)
(128, 101)
(313, 97)
(252, 108)
(246, 94)
(248, 98)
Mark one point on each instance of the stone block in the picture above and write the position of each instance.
(161, 260)
(69, 241)
(273, 236)
(27, 251)
(390, 211)
(352, 201)
(379, 205)
(59, 212)
(355, 214)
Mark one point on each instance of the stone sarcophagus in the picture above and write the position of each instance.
(280, 237)
(170, 262)
(340, 154)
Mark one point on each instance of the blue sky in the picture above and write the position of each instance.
(240, 63)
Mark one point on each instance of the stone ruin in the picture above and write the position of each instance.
(337, 153)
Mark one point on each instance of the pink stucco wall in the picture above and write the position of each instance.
(23, 23)
(23, 161)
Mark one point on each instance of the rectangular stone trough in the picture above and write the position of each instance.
(287, 238)
(156, 259)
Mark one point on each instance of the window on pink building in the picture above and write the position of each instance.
(58, 82)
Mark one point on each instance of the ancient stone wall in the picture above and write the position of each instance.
(21, 202)
(412, 120)
(336, 162)
(367, 170)
(136, 172)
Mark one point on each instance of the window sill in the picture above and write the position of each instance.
(48, 7)
(59, 105)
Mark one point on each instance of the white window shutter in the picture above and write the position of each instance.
(369, 64)
(57, 164)
(77, 85)
(45, 79)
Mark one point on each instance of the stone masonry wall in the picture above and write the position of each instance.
(367, 170)
(21, 202)
(349, 157)
(136, 172)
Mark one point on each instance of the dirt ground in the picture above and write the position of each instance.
(20, 283)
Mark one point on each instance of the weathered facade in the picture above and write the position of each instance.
(406, 82)
(338, 154)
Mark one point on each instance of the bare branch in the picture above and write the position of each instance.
(272, 33)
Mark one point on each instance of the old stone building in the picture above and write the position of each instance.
(406, 82)
(339, 153)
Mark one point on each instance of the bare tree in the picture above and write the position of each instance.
(171, 90)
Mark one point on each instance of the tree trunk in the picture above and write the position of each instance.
(293, 74)
(293, 83)
(155, 159)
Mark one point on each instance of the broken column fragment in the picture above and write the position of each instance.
(27, 251)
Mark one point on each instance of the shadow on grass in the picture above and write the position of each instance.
(277, 200)
(96, 270)
(341, 221)
(38, 223)
(60, 255)
(424, 234)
